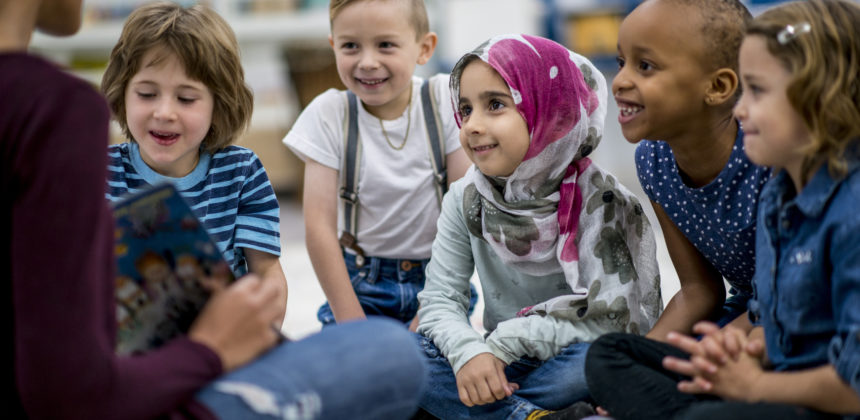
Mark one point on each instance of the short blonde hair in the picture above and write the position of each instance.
(207, 48)
(824, 62)
(419, 20)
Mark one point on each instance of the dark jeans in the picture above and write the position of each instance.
(625, 376)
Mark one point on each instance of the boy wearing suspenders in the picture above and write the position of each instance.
(386, 149)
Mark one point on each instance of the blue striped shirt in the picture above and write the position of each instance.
(229, 192)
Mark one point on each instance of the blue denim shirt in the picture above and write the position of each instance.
(807, 278)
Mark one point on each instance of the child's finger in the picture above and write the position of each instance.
(714, 350)
(696, 385)
(497, 387)
(680, 366)
(755, 347)
(703, 384)
(486, 392)
(705, 327)
(688, 387)
(732, 345)
(684, 342)
(703, 365)
(465, 398)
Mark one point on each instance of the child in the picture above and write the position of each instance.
(388, 228)
(564, 252)
(677, 82)
(799, 64)
(57, 254)
(175, 85)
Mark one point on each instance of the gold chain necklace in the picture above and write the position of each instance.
(408, 125)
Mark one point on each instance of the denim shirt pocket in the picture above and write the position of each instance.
(804, 295)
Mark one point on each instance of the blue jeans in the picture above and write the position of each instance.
(387, 287)
(549, 385)
(357, 370)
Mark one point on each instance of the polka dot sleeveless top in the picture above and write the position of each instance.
(718, 218)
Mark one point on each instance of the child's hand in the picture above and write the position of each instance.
(482, 381)
(716, 347)
(734, 380)
(713, 368)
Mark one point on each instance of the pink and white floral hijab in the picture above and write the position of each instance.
(558, 211)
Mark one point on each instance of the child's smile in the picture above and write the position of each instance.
(370, 82)
(376, 50)
(660, 84)
(164, 138)
(627, 110)
(493, 133)
(168, 113)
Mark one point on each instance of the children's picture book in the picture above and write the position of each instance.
(164, 257)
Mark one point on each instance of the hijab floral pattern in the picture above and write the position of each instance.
(558, 211)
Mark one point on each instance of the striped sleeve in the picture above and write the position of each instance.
(257, 221)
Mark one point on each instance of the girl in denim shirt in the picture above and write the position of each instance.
(800, 112)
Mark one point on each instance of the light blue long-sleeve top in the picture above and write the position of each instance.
(445, 299)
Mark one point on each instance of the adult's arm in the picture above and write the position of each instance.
(62, 275)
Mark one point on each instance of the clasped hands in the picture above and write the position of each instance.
(726, 362)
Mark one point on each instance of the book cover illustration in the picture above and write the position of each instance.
(163, 255)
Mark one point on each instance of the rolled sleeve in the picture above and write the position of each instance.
(844, 349)
(317, 133)
(844, 355)
(541, 337)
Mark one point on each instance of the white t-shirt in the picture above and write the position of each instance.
(397, 207)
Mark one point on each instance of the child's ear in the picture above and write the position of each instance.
(724, 84)
(427, 43)
(330, 41)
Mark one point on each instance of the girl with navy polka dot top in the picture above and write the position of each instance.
(692, 166)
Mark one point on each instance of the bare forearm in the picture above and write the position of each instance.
(818, 388)
(275, 275)
(268, 267)
(702, 291)
(329, 266)
(688, 306)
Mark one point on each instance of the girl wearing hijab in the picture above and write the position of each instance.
(563, 251)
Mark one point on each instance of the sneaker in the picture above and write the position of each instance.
(577, 411)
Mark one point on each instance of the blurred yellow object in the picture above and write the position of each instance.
(593, 34)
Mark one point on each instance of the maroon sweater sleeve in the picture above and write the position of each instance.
(61, 263)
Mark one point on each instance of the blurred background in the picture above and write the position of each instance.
(288, 61)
